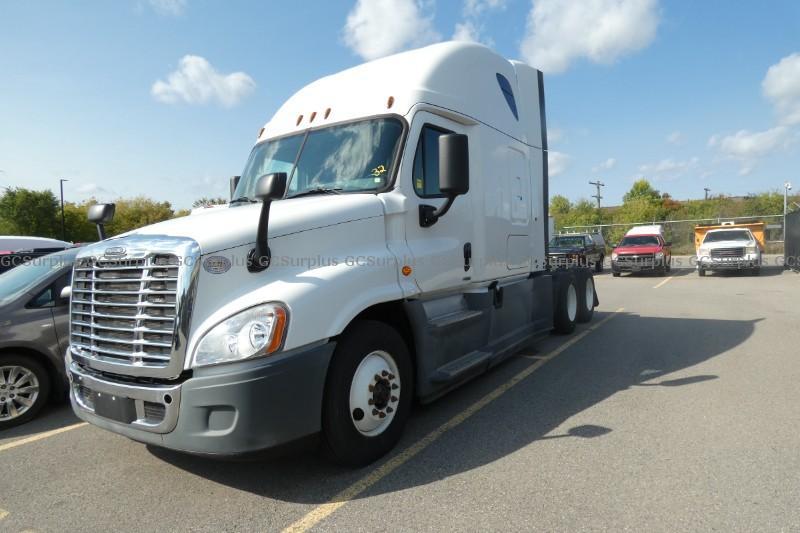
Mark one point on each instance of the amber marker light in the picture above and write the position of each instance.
(407, 270)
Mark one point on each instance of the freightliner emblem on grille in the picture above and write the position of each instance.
(115, 251)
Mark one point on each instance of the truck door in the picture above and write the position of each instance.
(441, 253)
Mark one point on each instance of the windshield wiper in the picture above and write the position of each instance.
(242, 200)
(318, 190)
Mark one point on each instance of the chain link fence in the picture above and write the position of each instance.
(681, 232)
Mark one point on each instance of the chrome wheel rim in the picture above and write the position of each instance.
(572, 302)
(19, 390)
(375, 393)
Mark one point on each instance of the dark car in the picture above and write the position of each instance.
(582, 249)
(15, 251)
(34, 335)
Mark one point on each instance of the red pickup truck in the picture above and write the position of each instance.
(640, 253)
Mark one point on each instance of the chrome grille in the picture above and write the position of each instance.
(636, 259)
(727, 252)
(124, 310)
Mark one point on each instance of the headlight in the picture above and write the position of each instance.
(613, 256)
(659, 255)
(253, 332)
(702, 252)
(752, 249)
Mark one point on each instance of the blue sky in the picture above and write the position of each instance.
(102, 93)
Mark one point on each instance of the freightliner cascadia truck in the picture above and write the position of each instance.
(385, 243)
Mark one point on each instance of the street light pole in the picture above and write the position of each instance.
(786, 188)
(63, 223)
(707, 190)
(597, 184)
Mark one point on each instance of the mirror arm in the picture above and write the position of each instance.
(101, 231)
(428, 214)
(259, 257)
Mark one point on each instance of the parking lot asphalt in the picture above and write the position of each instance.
(675, 409)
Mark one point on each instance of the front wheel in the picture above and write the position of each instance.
(598, 266)
(24, 389)
(566, 304)
(585, 297)
(368, 394)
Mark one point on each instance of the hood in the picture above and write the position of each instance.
(224, 228)
(649, 249)
(728, 244)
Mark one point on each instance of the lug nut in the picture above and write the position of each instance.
(374, 412)
(370, 401)
(391, 376)
(394, 398)
(382, 414)
(394, 386)
(371, 388)
(384, 373)
(377, 377)
(389, 410)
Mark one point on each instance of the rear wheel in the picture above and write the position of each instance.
(367, 394)
(24, 389)
(566, 309)
(585, 297)
(701, 272)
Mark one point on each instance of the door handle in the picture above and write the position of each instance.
(467, 256)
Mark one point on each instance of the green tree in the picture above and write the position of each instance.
(205, 202)
(31, 213)
(134, 213)
(642, 189)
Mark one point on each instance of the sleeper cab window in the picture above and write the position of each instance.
(426, 162)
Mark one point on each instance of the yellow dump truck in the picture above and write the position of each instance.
(730, 246)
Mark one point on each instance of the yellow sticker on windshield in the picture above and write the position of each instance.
(378, 171)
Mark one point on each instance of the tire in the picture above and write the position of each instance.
(701, 272)
(616, 274)
(669, 264)
(566, 304)
(366, 348)
(20, 373)
(598, 266)
(586, 290)
(755, 271)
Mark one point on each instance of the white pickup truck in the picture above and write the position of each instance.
(386, 241)
(729, 249)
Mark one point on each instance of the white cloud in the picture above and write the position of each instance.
(560, 31)
(196, 81)
(475, 8)
(781, 86)
(168, 7)
(675, 138)
(554, 135)
(467, 31)
(749, 145)
(668, 169)
(376, 28)
(608, 164)
(556, 162)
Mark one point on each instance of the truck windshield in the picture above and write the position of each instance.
(640, 240)
(352, 157)
(567, 241)
(728, 235)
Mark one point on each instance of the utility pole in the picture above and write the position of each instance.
(63, 224)
(786, 188)
(597, 184)
(707, 190)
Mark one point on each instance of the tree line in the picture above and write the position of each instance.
(644, 203)
(27, 212)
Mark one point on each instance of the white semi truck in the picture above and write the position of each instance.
(387, 241)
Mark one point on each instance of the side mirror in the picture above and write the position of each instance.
(234, 182)
(66, 292)
(268, 188)
(453, 176)
(101, 214)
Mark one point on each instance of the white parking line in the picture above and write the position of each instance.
(664, 282)
(40, 436)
